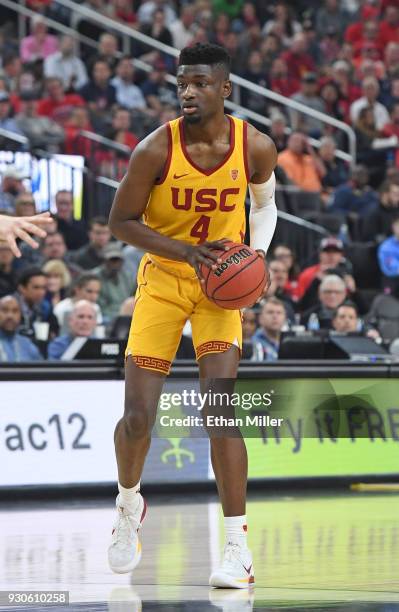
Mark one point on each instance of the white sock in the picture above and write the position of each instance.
(235, 528)
(128, 497)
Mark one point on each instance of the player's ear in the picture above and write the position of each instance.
(227, 88)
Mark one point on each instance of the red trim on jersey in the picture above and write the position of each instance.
(166, 167)
(245, 151)
(208, 171)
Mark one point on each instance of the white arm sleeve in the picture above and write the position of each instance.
(263, 213)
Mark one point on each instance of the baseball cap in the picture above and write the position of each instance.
(331, 244)
(14, 173)
(113, 250)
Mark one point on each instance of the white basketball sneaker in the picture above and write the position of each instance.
(124, 552)
(236, 571)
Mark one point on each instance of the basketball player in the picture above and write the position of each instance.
(12, 228)
(188, 180)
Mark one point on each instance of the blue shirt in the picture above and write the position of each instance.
(349, 199)
(58, 346)
(270, 348)
(388, 256)
(15, 348)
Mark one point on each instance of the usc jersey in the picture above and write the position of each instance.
(195, 204)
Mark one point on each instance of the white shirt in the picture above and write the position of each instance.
(381, 115)
(181, 36)
(144, 14)
(64, 308)
(65, 68)
(128, 95)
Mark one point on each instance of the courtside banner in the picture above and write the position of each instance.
(61, 432)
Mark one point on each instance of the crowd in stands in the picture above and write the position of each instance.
(339, 57)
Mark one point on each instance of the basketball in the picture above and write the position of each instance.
(238, 281)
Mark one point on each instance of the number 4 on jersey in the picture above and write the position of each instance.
(200, 228)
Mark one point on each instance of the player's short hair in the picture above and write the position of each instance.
(208, 54)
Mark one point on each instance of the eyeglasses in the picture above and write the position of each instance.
(333, 291)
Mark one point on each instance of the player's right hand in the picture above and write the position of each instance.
(203, 254)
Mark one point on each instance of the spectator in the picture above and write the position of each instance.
(25, 205)
(309, 98)
(331, 15)
(116, 283)
(251, 349)
(120, 130)
(336, 170)
(356, 196)
(58, 281)
(391, 57)
(297, 58)
(348, 89)
(280, 79)
(389, 27)
(148, 7)
(157, 30)
(73, 231)
(182, 29)
(86, 287)
(371, 146)
(156, 89)
(30, 294)
(107, 51)
(99, 93)
(346, 321)
(392, 128)
(39, 44)
(384, 315)
(330, 95)
(388, 257)
(7, 270)
(368, 44)
(255, 73)
(75, 144)
(82, 324)
(378, 224)
(279, 278)
(331, 257)
(58, 105)
(14, 348)
(283, 24)
(277, 131)
(284, 253)
(42, 132)
(90, 255)
(11, 187)
(272, 321)
(371, 90)
(6, 121)
(127, 93)
(332, 292)
(300, 163)
(11, 70)
(270, 49)
(66, 65)
(54, 247)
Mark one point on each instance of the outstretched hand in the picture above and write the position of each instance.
(12, 228)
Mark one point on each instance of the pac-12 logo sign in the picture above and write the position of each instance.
(234, 174)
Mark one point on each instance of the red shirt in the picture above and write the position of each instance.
(306, 278)
(388, 33)
(286, 86)
(390, 129)
(298, 64)
(59, 110)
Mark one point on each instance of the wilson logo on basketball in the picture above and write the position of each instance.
(234, 174)
(233, 260)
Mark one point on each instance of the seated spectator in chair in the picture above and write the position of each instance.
(73, 231)
(384, 315)
(346, 321)
(99, 94)
(309, 97)
(378, 224)
(128, 94)
(388, 257)
(90, 255)
(86, 287)
(82, 323)
(14, 347)
(279, 278)
(282, 252)
(332, 292)
(58, 281)
(356, 196)
(107, 51)
(120, 326)
(371, 91)
(272, 321)
(116, 283)
(65, 64)
(7, 122)
(277, 129)
(58, 105)
(25, 205)
(39, 44)
(30, 294)
(53, 247)
(301, 164)
(336, 170)
(251, 349)
(42, 132)
(11, 187)
(8, 273)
